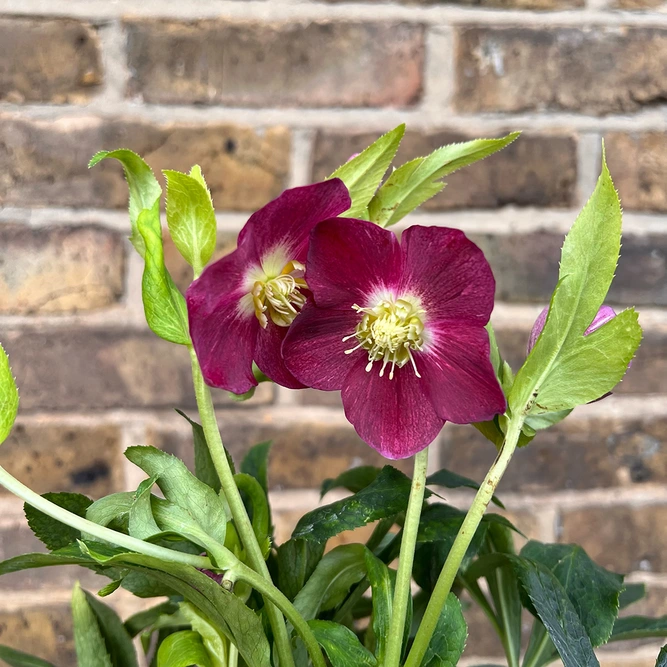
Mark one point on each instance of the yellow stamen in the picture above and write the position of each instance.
(390, 331)
(279, 297)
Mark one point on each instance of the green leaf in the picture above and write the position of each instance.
(183, 649)
(662, 658)
(191, 218)
(111, 508)
(223, 609)
(449, 637)
(16, 658)
(413, 183)
(297, 560)
(452, 480)
(341, 645)
(164, 306)
(183, 489)
(353, 480)
(332, 579)
(54, 534)
(145, 191)
(116, 638)
(566, 368)
(386, 496)
(256, 463)
(88, 640)
(9, 397)
(638, 627)
(593, 591)
(204, 467)
(556, 612)
(110, 588)
(214, 644)
(382, 590)
(630, 594)
(141, 522)
(141, 620)
(363, 174)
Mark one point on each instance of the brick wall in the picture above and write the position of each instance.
(272, 93)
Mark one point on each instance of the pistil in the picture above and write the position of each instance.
(390, 331)
(279, 297)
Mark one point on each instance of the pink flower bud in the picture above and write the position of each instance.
(605, 314)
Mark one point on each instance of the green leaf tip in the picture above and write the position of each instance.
(9, 397)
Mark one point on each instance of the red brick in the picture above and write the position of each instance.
(307, 447)
(59, 269)
(44, 631)
(575, 454)
(571, 69)
(638, 165)
(51, 456)
(526, 267)
(48, 60)
(45, 163)
(95, 369)
(624, 539)
(535, 170)
(281, 64)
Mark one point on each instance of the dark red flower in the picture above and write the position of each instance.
(399, 328)
(241, 306)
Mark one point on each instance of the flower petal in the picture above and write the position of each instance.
(449, 273)
(288, 220)
(348, 260)
(395, 417)
(314, 350)
(222, 334)
(462, 383)
(269, 358)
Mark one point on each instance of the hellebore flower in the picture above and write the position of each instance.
(605, 314)
(241, 306)
(399, 328)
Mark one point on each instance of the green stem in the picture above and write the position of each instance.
(478, 596)
(268, 590)
(239, 514)
(379, 532)
(406, 559)
(101, 532)
(461, 543)
(538, 650)
(233, 660)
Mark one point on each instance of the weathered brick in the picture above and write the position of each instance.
(59, 269)
(45, 163)
(573, 69)
(286, 64)
(493, 4)
(48, 60)
(95, 369)
(535, 170)
(44, 631)
(638, 165)
(637, 4)
(641, 544)
(307, 448)
(575, 454)
(526, 267)
(648, 374)
(49, 456)
(20, 540)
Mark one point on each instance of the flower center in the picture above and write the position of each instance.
(390, 331)
(280, 298)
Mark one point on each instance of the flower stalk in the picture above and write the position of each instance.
(461, 543)
(239, 513)
(402, 591)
